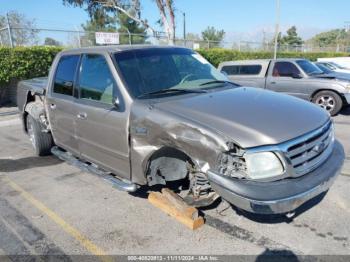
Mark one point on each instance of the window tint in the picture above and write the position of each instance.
(250, 70)
(64, 78)
(285, 69)
(242, 70)
(231, 70)
(95, 79)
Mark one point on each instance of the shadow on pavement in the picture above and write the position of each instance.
(275, 219)
(14, 165)
(277, 255)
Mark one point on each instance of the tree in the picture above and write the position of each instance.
(23, 29)
(126, 26)
(52, 42)
(292, 37)
(96, 24)
(211, 34)
(131, 9)
(331, 38)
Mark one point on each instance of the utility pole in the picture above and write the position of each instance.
(277, 27)
(184, 28)
(264, 40)
(184, 25)
(9, 29)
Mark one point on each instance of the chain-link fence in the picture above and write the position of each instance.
(15, 36)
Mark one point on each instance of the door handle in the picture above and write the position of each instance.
(82, 116)
(273, 83)
(53, 106)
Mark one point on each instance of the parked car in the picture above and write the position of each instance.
(339, 62)
(335, 67)
(296, 77)
(151, 115)
(329, 73)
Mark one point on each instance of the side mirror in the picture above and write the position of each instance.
(116, 102)
(224, 73)
(297, 76)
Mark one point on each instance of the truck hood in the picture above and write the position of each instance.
(335, 76)
(249, 116)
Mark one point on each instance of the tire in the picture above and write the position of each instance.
(329, 101)
(41, 141)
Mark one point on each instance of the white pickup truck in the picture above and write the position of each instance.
(296, 77)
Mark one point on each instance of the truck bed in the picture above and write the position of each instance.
(35, 86)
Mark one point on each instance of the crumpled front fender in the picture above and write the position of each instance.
(152, 129)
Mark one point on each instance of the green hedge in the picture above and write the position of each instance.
(28, 62)
(218, 55)
(25, 62)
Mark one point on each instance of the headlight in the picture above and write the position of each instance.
(263, 165)
(347, 87)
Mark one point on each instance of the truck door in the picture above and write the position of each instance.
(102, 128)
(60, 103)
(285, 77)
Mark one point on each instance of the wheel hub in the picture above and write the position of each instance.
(326, 102)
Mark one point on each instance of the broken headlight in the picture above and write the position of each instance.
(232, 165)
(256, 166)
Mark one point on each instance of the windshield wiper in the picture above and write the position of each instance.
(170, 91)
(215, 82)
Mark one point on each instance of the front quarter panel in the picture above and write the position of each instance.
(152, 129)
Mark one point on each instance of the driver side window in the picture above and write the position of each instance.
(96, 81)
(285, 69)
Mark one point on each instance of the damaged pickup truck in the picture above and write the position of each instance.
(148, 115)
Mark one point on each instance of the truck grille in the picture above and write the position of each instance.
(310, 151)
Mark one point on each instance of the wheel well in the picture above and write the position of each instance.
(167, 164)
(30, 98)
(330, 90)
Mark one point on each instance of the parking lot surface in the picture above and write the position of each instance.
(50, 207)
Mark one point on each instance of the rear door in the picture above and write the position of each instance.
(61, 107)
(285, 77)
(102, 128)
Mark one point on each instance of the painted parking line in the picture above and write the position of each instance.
(84, 241)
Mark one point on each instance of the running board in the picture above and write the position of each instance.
(117, 183)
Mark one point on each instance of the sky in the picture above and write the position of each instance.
(241, 20)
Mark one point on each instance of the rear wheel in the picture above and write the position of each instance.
(329, 101)
(41, 141)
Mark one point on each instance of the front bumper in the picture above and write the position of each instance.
(282, 196)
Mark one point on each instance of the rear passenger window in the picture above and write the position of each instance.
(242, 69)
(231, 70)
(64, 77)
(95, 79)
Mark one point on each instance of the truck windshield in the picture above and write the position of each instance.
(155, 70)
(309, 68)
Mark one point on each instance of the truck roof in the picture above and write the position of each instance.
(257, 61)
(114, 48)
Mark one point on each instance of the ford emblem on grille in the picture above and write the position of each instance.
(319, 148)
